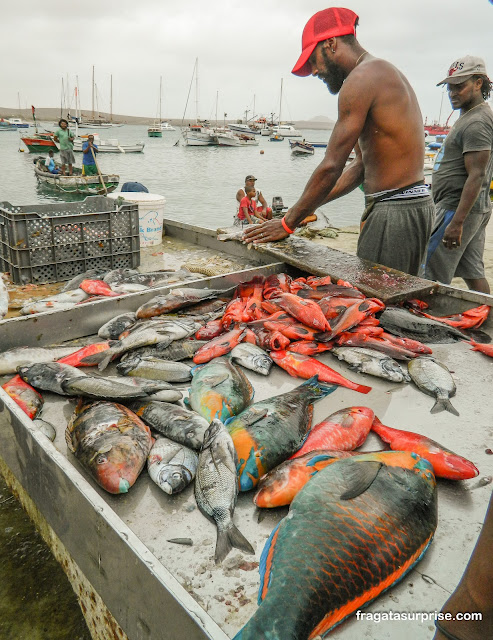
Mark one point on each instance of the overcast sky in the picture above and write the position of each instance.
(243, 48)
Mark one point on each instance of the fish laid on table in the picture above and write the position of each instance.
(27, 398)
(402, 323)
(343, 430)
(372, 362)
(354, 314)
(141, 281)
(445, 463)
(306, 311)
(219, 346)
(309, 347)
(470, 319)
(487, 349)
(300, 366)
(116, 276)
(69, 381)
(155, 390)
(219, 389)
(357, 528)
(154, 369)
(4, 299)
(210, 330)
(97, 288)
(216, 489)
(171, 421)
(434, 378)
(268, 432)
(112, 329)
(77, 358)
(110, 442)
(279, 487)
(46, 428)
(252, 357)
(176, 351)
(13, 358)
(276, 284)
(171, 465)
(90, 274)
(177, 299)
(58, 302)
(376, 343)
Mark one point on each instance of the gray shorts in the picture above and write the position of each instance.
(467, 260)
(67, 156)
(396, 233)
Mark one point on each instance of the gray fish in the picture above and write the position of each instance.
(90, 274)
(252, 357)
(13, 358)
(112, 329)
(45, 428)
(434, 378)
(171, 466)
(4, 299)
(58, 302)
(216, 488)
(119, 275)
(156, 390)
(178, 424)
(141, 281)
(372, 362)
(407, 325)
(178, 299)
(176, 351)
(233, 235)
(155, 369)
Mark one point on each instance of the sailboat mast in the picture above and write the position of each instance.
(62, 99)
(67, 93)
(253, 115)
(196, 90)
(93, 92)
(280, 103)
(111, 98)
(160, 96)
(217, 100)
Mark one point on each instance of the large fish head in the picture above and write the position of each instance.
(42, 375)
(172, 478)
(116, 466)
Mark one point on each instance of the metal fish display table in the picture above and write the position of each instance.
(133, 582)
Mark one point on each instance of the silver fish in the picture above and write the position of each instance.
(233, 235)
(141, 281)
(155, 390)
(434, 378)
(372, 362)
(216, 488)
(119, 275)
(112, 329)
(171, 465)
(252, 357)
(50, 376)
(155, 369)
(13, 358)
(45, 428)
(178, 424)
(178, 299)
(4, 299)
(58, 302)
(407, 325)
(177, 350)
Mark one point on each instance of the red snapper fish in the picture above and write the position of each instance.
(97, 288)
(333, 307)
(276, 284)
(233, 313)
(407, 343)
(300, 366)
(77, 358)
(309, 348)
(267, 339)
(306, 311)
(344, 430)
(349, 339)
(251, 294)
(279, 487)
(446, 463)
(354, 315)
(210, 330)
(25, 397)
(219, 346)
(295, 331)
(470, 319)
(487, 349)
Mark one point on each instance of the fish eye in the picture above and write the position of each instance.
(101, 459)
(176, 475)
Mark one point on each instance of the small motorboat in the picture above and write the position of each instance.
(109, 145)
(76, 183)
(301, 148)
(276, 137)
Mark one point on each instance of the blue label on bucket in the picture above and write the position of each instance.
(150, 225)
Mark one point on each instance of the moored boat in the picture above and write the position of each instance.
(111, 145)
(301, 148)
(287, 130)
(40, 143)
(276, 137)
(227, 138)
(198, 135)
(18, 123)
(76, 183)
(165, 126)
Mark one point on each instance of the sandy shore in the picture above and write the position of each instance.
(348, 239)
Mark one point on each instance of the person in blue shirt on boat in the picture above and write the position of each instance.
(89, 150)
(66, 140)
(50, 163)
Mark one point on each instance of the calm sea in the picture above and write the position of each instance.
(199, 184)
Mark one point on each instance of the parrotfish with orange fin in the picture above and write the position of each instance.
(219, 346)
(279, 487)
(446, 463)
(269, 431)
(356, 529)
(306, 311)
(343, 430)
(300, 366)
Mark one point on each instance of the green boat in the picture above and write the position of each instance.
(155, 132)
(76, 183)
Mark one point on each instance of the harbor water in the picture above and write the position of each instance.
(199, 184)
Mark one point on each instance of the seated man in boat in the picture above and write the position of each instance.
(50, 163)
(89, 150)
(66, 140)
(250, 182)
(379, 117)
(248, 212)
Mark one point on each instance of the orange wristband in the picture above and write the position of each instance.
(285, 226)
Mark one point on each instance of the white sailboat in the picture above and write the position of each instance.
(155, 131)
(285, 129)
(198, 134)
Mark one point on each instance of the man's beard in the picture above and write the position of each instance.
(334, 76)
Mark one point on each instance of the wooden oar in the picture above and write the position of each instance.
(99, 172)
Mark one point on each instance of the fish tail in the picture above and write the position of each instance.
(318, 389)
(104, 362)
(444, 404)
(229, 538)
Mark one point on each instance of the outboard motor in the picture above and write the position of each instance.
(277, 206)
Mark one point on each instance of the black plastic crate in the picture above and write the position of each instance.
(53, 242)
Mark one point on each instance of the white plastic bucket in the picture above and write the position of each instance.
(151, 214)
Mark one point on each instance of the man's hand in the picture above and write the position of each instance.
(452, 236)
(266, 232)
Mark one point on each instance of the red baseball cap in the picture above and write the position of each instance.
(329, 23)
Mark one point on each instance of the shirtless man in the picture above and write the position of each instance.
(380, 118)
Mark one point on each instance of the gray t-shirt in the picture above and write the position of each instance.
(472, 132)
